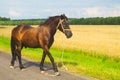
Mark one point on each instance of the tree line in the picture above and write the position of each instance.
(72, 21)
(4, 19)
(26, 21)
(96, 21)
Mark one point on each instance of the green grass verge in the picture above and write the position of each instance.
(91, 64)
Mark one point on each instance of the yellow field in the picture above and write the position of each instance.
(103, 39)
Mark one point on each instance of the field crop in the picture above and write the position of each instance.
(100, 39)
(93, 50)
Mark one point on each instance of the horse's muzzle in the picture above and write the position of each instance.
(68, 34)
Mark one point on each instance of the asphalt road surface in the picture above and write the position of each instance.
(32, 71)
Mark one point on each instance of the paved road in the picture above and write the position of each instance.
(32, 71)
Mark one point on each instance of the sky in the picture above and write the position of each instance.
(35, 9)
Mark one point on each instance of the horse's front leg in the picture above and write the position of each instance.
(42, 62)
(52, 61)
(54, 66)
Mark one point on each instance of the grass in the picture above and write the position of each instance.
(101, 61)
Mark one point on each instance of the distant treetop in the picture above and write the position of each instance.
(4, 19)
(72, 21)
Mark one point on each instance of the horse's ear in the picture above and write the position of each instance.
(62, 16)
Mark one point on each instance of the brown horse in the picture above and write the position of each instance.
(39, 37)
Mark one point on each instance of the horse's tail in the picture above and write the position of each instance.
(13, 48)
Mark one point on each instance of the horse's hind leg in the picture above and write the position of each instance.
(13, 51)
(13, 60)
(18, 51)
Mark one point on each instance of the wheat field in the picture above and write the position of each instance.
(102, 39)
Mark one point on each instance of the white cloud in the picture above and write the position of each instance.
(94, 11)
(47, 10)
(114, 12)
(14, 13)
(101, 12)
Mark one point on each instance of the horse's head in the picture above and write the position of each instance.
(63, 26)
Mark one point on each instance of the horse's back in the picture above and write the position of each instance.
(19, 30)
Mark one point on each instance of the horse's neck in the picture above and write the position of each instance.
(53, 29)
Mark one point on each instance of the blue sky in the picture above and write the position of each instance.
(27, 9)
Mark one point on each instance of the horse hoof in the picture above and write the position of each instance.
(23, 69)
(42, 72)
(57, 74)
(11, 67)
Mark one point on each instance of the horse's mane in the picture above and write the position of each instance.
(50, 20)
